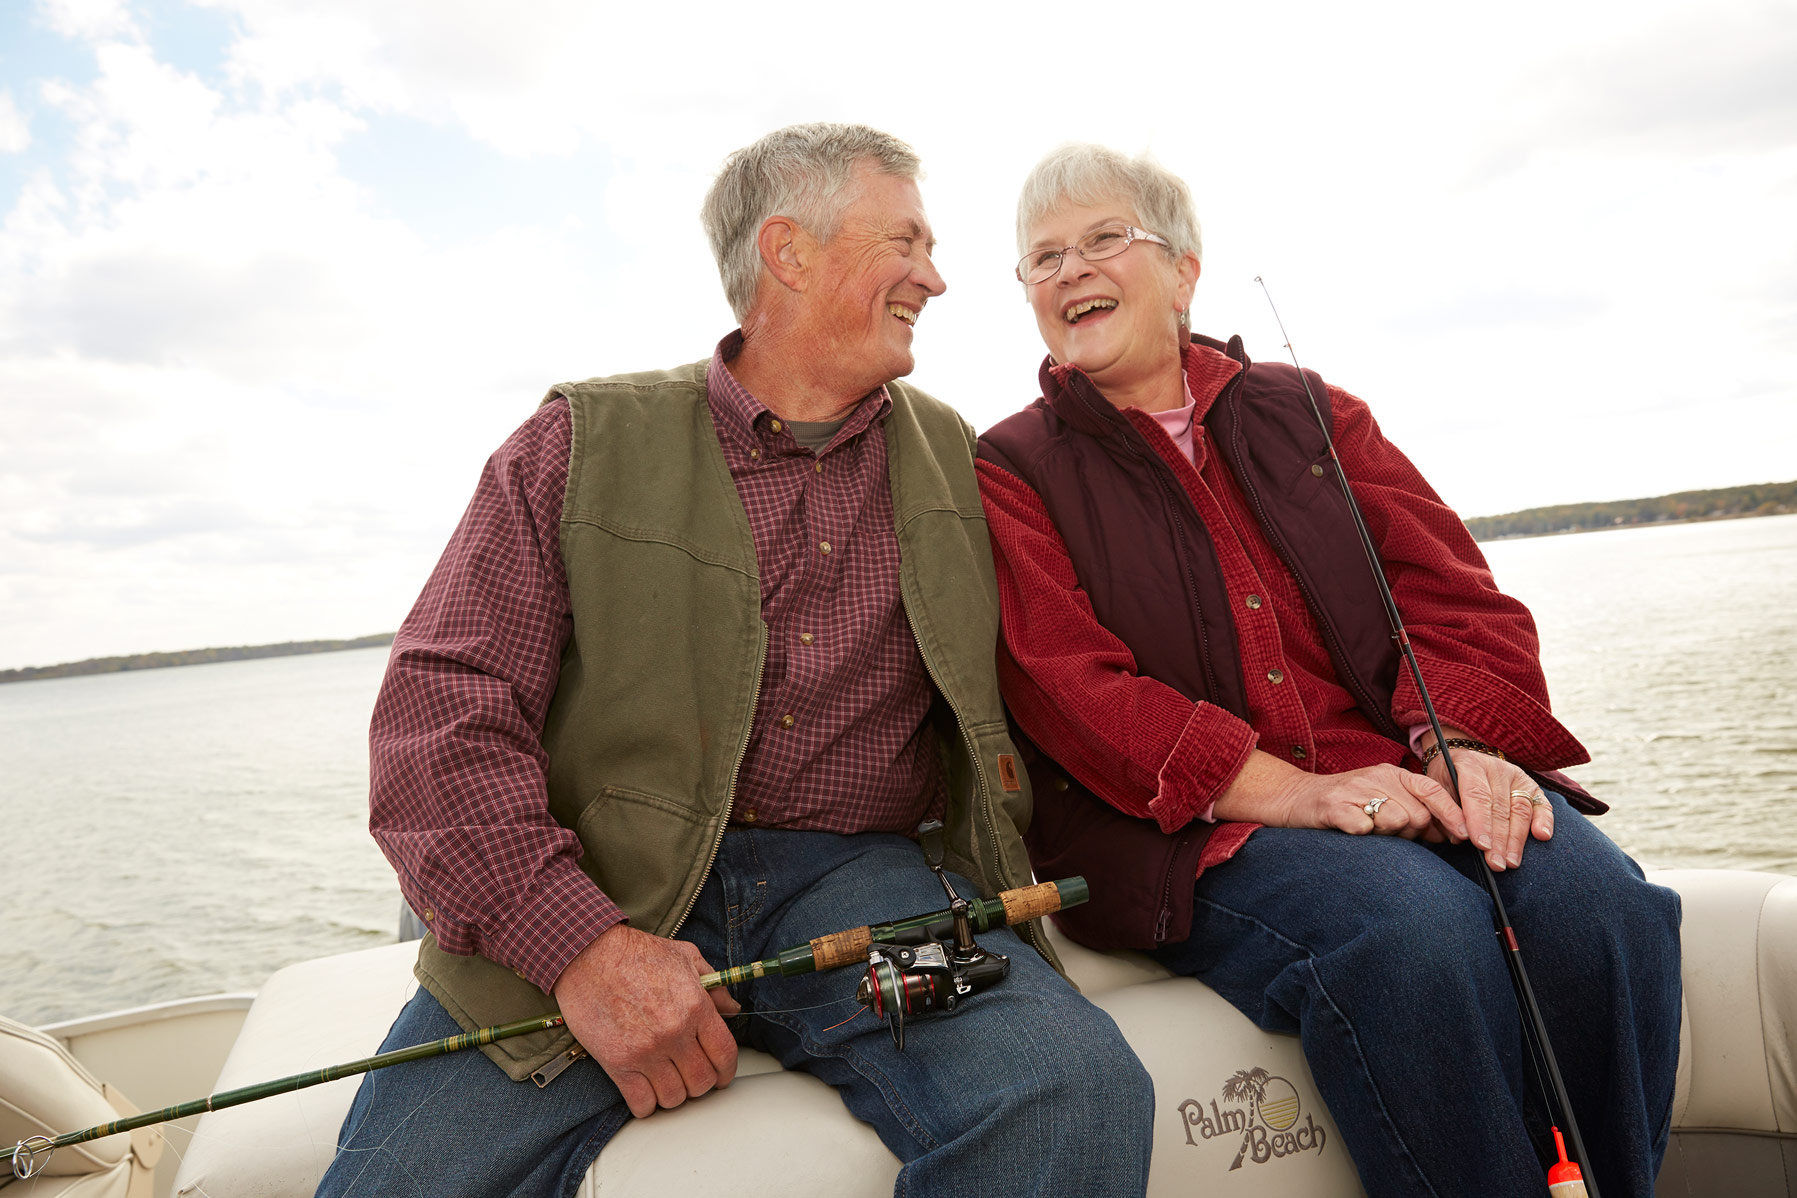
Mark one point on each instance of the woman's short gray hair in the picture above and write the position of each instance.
(800, 171)
(1081, 173)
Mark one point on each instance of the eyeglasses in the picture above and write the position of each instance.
(1039, 266)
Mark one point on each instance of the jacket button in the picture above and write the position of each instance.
(1253, 602)
(1316, 470)
(1275, 676)
(1298, 752)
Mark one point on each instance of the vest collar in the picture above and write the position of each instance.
(1070, 393)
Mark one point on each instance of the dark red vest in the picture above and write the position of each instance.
(1146, 562)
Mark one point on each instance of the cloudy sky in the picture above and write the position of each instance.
(277, 275)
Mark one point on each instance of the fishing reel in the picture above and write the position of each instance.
(936, 967)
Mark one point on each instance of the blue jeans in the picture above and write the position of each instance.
(1029, 1089)
(1380, 954)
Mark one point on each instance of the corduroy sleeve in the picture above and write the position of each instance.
(1477, 646)
(457, 797)
(1137, 743)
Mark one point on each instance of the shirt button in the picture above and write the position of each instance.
(786, 721)
(749, 816)
(1298, 752)
(1314, 469)
(1275, 676)
(805, 638)
(823, 546)
(1253, 602)
(775, 425)
(429, 915)
(755, 453)
(820, 467)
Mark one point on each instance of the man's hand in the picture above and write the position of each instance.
(634, 1002)
(1498, 799)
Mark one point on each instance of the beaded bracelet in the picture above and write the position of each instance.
(1459, 742)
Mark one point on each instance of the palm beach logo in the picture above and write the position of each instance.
(1268, 1126)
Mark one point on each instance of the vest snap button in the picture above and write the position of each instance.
(1316, 470)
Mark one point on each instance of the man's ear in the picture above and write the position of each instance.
(785, 251)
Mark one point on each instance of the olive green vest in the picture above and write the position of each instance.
(658, 684)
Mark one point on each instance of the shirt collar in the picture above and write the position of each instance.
(751, 422)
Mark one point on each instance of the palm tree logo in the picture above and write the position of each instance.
(1272, 1099)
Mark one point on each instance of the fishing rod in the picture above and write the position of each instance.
(904, 954)
(1565, 1178)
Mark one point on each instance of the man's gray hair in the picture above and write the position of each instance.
(1080, 173)
(800, 171)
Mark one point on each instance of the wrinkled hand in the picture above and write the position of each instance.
(634, 1002)
(1414, 807)
(1495, 795)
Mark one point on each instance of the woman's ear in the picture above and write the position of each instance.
(1188, 268)
(784, 249)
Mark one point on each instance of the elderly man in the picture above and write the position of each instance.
(707, 645)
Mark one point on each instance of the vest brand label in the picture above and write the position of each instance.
(1263, 1111)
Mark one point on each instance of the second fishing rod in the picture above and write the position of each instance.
(1566, 1179)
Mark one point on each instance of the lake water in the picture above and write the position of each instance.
(187, 831)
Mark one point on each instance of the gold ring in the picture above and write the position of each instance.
(1535, 797)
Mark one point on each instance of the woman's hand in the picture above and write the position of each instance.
(1502, 804)
(1401, 804)
(1273, 792)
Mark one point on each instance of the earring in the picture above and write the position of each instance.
(1185, 319)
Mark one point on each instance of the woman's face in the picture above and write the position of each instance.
(1116, 319)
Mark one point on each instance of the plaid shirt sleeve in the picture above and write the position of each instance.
(458, 799)
(1477, 646)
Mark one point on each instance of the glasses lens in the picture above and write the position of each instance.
(1037, 266)
(1103, 243)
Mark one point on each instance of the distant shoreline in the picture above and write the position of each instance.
(189, 657)
(1685, 507)
(1567, 532)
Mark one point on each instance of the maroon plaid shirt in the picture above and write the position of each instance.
(840, 742)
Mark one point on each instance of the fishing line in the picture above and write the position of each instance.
(1558, 1103)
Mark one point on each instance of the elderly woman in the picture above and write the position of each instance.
(1222, 741)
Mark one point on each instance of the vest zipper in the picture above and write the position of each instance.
(1159, 470)
(742, 751)
(1024, 931)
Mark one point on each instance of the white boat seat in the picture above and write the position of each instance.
(1737, 1081)
(48, 1093)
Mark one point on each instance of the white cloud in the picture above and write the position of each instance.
(243, 395)
(89, 20)
(15, 133)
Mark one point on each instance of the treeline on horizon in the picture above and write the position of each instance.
(1762, 499)
(189, 657)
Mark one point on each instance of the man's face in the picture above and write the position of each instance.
(873, 279)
